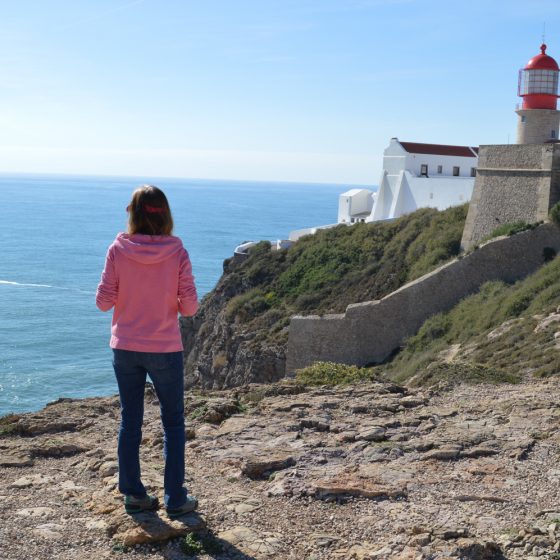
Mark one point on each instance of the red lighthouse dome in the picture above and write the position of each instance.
(538, 82)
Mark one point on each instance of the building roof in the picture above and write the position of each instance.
(439, 149)
(352, 192)
(542, 61)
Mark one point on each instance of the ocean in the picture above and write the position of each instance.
(54, 237)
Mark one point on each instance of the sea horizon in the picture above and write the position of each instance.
(56, 232)
(23, 174)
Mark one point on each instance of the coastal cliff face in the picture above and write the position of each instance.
(240, 333)
(223, 352)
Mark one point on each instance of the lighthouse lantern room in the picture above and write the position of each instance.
(538, 86)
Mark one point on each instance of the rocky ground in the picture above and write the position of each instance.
(285, 472)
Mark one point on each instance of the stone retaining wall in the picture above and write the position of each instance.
(370, 331)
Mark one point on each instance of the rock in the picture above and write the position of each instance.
(71, 485)
(447, 534)
(479, 551)
(315, 423)
(35, 512)
(97, 525)
(96, 452)
(149, 527)
(259, 467)
(219, 409)
(287, 483)
(385, 552)
(16, 460)
(346, 436)
(248, 541)
(109, 468)
(376, 454)
(412, 401)
(37, 424)
(58, 449)
(31, 480)
(324, 540)
(352, 485)
(480, 451)
(519, 448)
(423, 539)
(374, 433)
(480, 498)
(241, 502)
(104, 502)
(546, 322)
(362, 551)
(442, 454)
(504, 328)
(282, 406)
(50, 531)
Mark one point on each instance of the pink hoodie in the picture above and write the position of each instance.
(149, 280)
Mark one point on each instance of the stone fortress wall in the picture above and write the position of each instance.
(514, 183)
(371, 331)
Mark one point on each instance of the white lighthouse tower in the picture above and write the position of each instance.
(538, 86)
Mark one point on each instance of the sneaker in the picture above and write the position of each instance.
(136, 505)
(190, 504)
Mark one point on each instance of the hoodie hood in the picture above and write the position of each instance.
(147, 249)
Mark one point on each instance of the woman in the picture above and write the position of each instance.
(148, 280)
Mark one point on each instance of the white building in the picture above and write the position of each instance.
(414, 176)
(355, 205)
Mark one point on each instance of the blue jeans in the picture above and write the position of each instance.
(166, 372)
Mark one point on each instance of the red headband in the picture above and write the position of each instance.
(153, 209)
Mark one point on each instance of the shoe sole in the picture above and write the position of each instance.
(179, 513)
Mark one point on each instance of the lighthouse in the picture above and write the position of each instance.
(538, 86)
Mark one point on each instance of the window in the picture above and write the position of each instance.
(424, 170)
(523, 118)
(456, 171)
(553, 133)
(473, 171)
(539, 81)
(440, 169)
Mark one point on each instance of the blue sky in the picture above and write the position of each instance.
(288, 90)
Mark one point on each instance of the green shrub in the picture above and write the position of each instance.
(248, 305)
(460, 372)
(434, 328)
(516, 348)
(191, 545)
(194, 544)
(511, 229)
(554, 214)
(9, 425)
(331, 373)
(325, 272)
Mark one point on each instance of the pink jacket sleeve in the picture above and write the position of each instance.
(108, 288)
(187, 298)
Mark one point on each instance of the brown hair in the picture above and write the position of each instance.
(149, 212)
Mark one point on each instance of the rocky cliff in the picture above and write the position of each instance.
(240, 333)
(221, 351)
